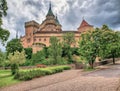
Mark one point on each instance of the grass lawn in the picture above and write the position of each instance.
(6, 78)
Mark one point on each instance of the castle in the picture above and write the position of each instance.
(38, 35)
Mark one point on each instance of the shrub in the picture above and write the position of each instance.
(14, 68)
(38, 72)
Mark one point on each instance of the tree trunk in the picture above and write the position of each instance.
(113, 58)
(91, 64)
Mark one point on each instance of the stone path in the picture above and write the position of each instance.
(106, 79)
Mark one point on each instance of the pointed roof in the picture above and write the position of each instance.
(50, 13)
(57, 21)
(84, 23)
(17, 34)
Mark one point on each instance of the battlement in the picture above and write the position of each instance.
(32, 23)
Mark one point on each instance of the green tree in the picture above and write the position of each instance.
(4, 34)
(55, 50)
(2, 58)
(101, 42)
(88, 48)
(3, 9)
(68, 40)
(14, 45)
(38, 57)
(112, 44)
(28, 52)
(16, 59)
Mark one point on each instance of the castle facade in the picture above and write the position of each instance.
(38, 35)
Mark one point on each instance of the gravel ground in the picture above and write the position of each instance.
(106, 79)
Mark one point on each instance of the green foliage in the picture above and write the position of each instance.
(14, 68)
(15, 60)
(28, 52)
(68, 40)
(3, 9)
(4, 34)
(101, 42)
(28, 62)
(38, 57)
(88, 48)
(55, 50)
(46, 51)
(2, 58)
(14, 45)
(38, 72)
(6, 78)
(112, 42)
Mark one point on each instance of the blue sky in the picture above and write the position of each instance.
(70, 13)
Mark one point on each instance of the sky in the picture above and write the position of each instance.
(70, 14)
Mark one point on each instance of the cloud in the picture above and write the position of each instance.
(70, 13)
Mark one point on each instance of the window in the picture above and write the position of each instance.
(34, 39)
(28, 40)
(44, 39)
(39, 39)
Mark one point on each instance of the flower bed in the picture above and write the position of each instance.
(38, 72)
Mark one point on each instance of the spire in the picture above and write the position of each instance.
(57, 21)
(50, 13)
(17, 34)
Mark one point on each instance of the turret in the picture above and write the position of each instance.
(50, 14)
(58, 25)
(30, 28)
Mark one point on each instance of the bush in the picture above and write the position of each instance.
(38, 57)
(28, 62)
(38, 72)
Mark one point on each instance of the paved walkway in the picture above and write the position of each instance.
(106, 79)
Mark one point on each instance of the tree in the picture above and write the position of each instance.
(3, 9)
(55, 50)
(28, 52)
(2, 58)
(88, 47)
(14, 45)
(112, 42)
(68, 40)
(4, 34)
(16, 59)
(101, 42)
(38, 57)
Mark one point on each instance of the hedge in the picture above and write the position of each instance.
(38, 72)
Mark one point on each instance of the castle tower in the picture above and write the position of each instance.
(51, 23)
(30, 28)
